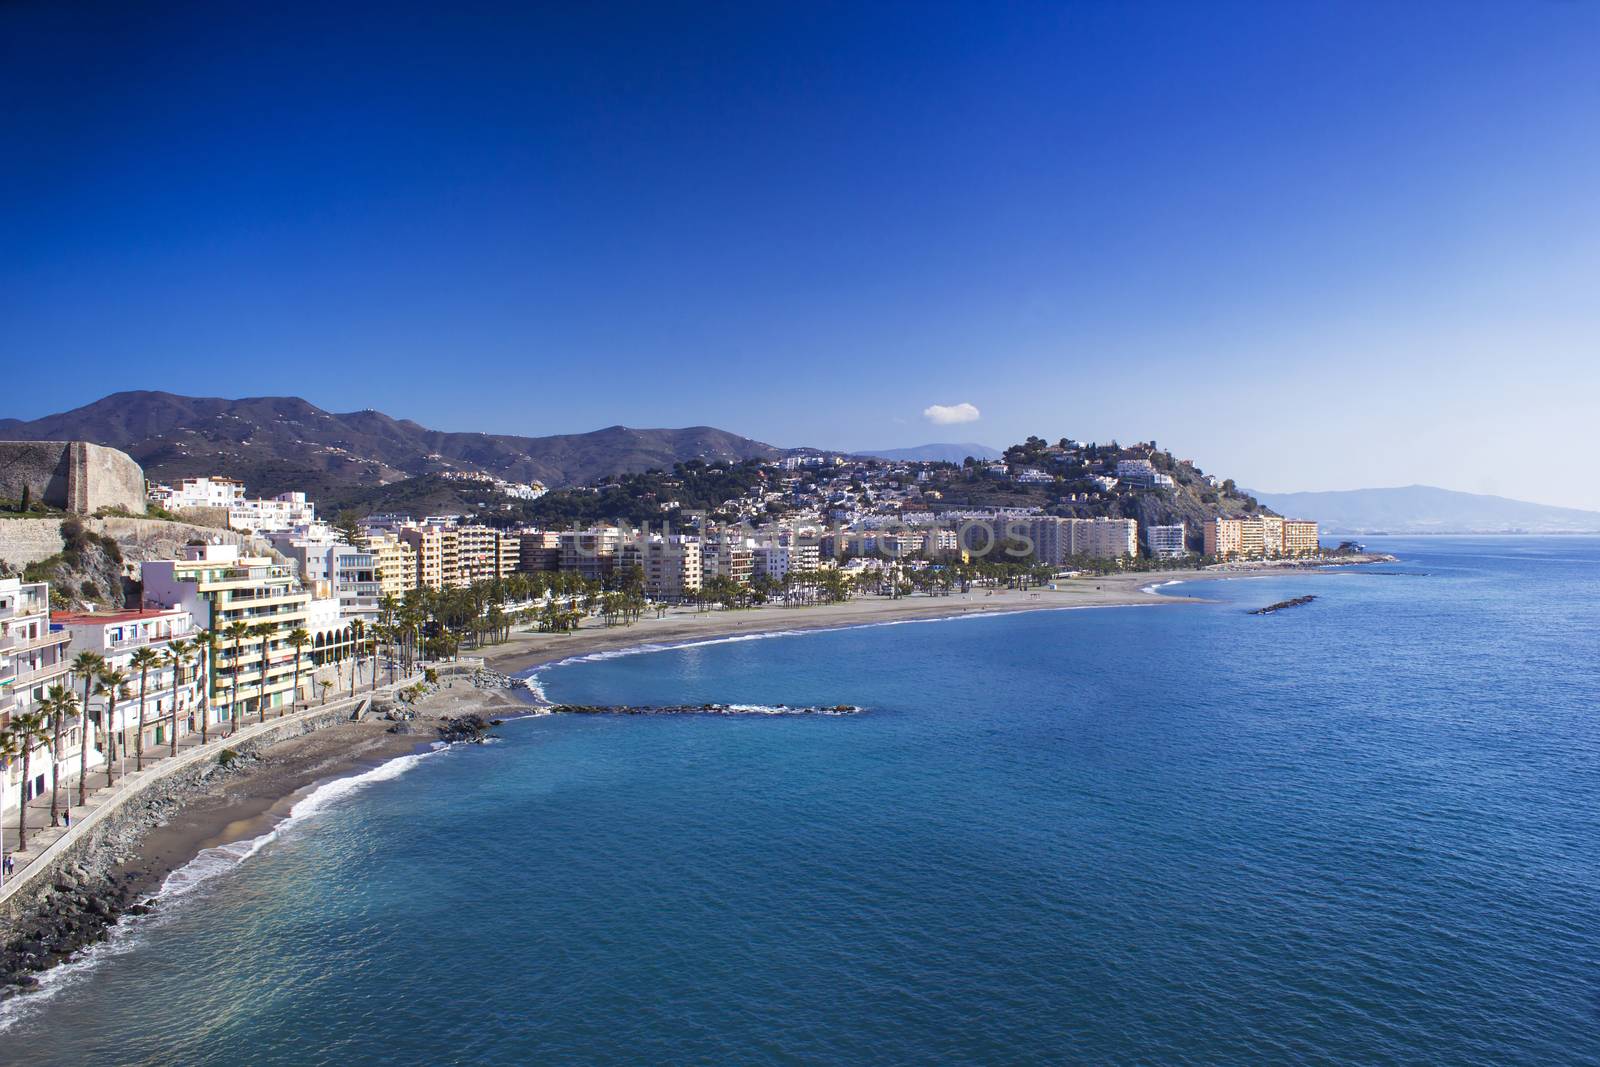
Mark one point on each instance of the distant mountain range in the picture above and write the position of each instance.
(276, 443)
(935, 453)
(1422, 509)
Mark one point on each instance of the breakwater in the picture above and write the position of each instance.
(702, 709)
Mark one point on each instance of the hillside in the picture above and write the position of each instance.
(275, 444)
(1413, 509)
(934, 453)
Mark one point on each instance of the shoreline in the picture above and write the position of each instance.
(255, 800)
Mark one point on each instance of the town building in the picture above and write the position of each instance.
(174, 684)
(219, 587)
(1166, 542)
(1260, 537)
(33, 658)
(538, 550)
(673, 566)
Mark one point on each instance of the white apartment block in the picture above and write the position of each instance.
(1166, 542)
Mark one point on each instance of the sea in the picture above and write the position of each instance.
(1363, 830)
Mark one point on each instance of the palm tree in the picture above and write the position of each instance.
(10, 749)
(299, 638)
(59, 703)
(31, 731)
(358, 629)
(178, 651)
(112, 686)
(326, 685)
(263, 630)
(236, 632)
(206, 649)
(143, 660)
(86, 665)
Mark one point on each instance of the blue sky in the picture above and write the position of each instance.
(1310, 246)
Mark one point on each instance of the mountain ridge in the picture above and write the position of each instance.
(936, 452)
(1414, 509)
(279, 443)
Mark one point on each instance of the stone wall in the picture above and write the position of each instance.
(74, 475)
(25, 541)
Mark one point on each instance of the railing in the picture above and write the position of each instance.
(107, 802)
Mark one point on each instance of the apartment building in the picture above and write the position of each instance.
(727, 556)
(1260, 537)
(590, 553)
(777, 561)
(673, 567)
(33, 658)
(1300, 538)
(219, 587)
(427, 548)
(1166, 542)
(538, 550)
(395, 563)
(1057, 540)
(116, 636)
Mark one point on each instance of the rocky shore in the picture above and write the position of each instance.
(119, 870)
(701, 709)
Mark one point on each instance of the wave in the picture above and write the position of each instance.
(221, 858)
(130, 930)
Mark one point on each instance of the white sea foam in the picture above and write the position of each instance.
(221, 858)
(130, 930)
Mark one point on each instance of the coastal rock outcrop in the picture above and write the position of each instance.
(702, 709)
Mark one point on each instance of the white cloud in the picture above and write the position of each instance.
(949, 414)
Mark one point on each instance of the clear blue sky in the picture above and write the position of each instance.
(1310, 246)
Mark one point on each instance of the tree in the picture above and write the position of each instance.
(326, 685)
(205, 645)
(58, 703)
(111, 686)
(27, 499)
(263, 630)
(358, 630)
(31, 731)
(86, 665)
(236, 632)
(143, 660)
(299, 638)
(10, 748)
(178, 657)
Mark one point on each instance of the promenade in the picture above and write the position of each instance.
(46, 842)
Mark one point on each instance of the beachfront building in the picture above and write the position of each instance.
(727, 555)
(1260, 537)
(173, 683)
(1300, 538)
(538, 550)
(395, 563)
(777, 561)
(1166, 542)
(219, 587)
(33, 658)
(1057, 540)
(673, 566)
(590, 553)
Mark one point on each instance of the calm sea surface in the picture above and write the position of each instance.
(1364, 831)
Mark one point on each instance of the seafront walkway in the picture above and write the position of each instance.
(46, 842)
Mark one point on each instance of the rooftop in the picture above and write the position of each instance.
(89, 618)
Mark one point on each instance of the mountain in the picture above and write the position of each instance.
(276, 443)
(935, 453)
(1414, 509)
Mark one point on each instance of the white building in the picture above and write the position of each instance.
(168, 686)
(33, 658)
(1166, 542)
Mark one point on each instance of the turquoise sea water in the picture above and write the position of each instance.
(1366, 830)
